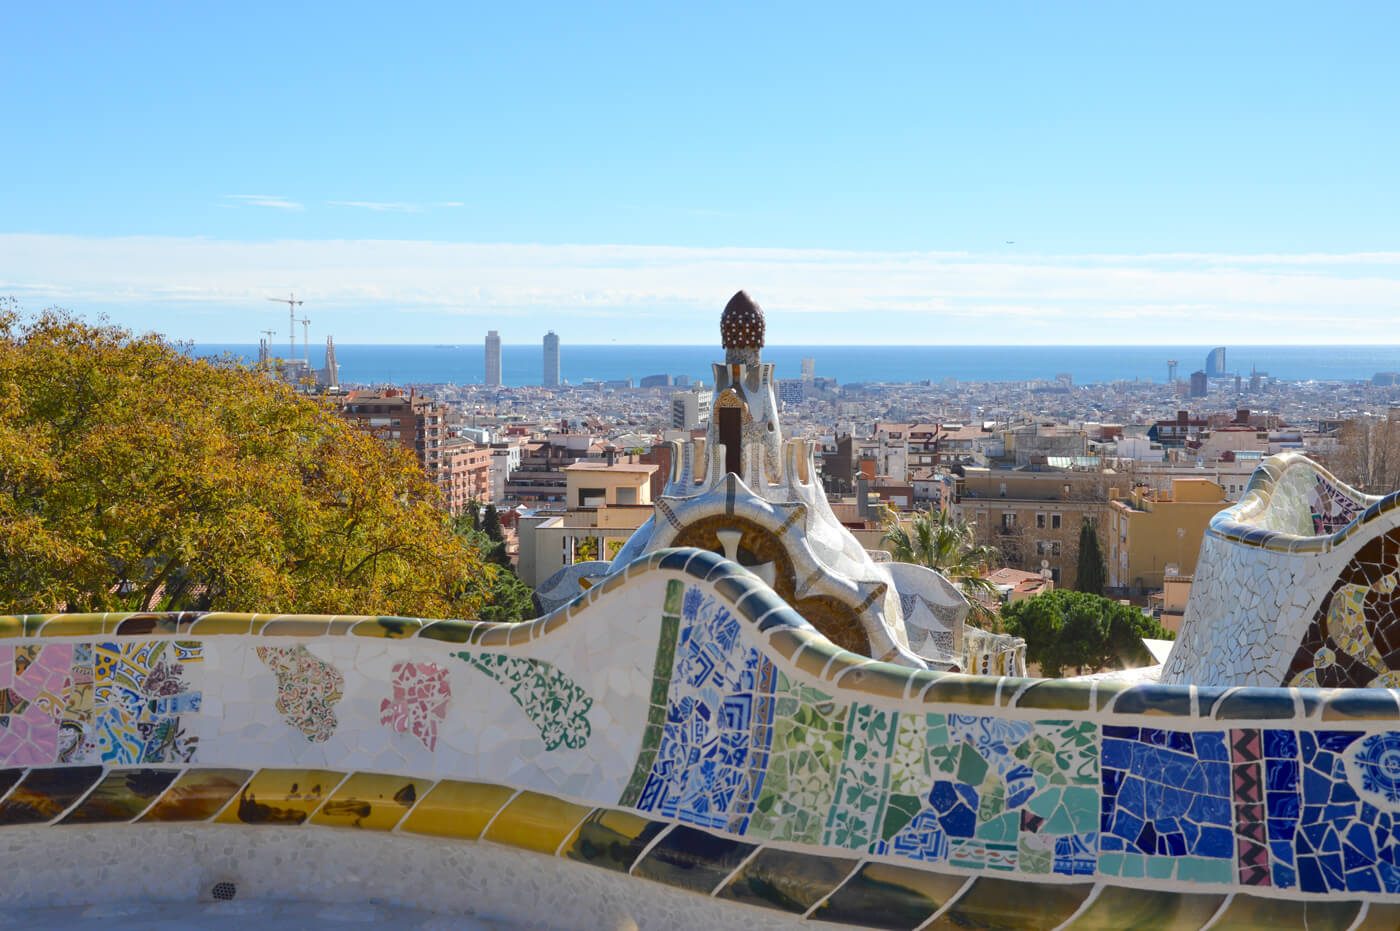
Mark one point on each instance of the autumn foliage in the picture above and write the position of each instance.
(133, 477)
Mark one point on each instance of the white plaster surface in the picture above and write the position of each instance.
(144, 876)
(486, 735)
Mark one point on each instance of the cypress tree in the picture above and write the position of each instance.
(491, 524)
(1092, 575)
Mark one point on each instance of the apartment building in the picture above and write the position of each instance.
(409, 420)
(1033, 517)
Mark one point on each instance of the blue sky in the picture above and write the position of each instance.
(614, 172)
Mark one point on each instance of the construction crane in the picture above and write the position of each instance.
(306, 339)
(292, 305)
(265, 351)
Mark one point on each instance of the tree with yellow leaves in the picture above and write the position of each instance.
(133, 477)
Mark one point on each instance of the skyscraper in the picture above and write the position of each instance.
(493, 359)
(1215, 362)
(551, 360)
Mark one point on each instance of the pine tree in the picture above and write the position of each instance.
(1092, 575)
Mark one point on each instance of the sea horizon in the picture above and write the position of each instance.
(521, 364)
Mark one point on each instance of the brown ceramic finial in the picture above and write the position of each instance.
(741, 326)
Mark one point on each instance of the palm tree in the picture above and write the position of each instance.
(947, 545)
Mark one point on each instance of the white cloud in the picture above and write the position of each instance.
(263, 200)
(862, 297)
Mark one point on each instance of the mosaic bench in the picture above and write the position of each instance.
(674, 747)
(1297, 584)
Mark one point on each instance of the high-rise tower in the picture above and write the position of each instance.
(493, 359)
(1215, 362)
(551, 360)
(330, 375)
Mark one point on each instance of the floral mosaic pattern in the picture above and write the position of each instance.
(307, 690)
(710, 765)
(104, 702)
(419, 703)
(556, 705)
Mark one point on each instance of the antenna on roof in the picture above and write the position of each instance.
(292, 305)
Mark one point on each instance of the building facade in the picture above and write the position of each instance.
(409, 420)
(1152, 535)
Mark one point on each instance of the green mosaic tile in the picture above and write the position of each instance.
(858, 807)
(554, 703)
(808, 740)
(656, 713)
(675, 589)
(1202, 870)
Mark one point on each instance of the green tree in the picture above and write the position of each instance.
(1076, 630)
(133, 477)
(491, 524)
(1092, 575)
(946, 545)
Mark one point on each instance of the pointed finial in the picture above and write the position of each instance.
(741, 325)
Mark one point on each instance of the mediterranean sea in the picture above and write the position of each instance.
(521, 365)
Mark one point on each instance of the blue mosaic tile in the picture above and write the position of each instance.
(1325, 792)
(709, 767)
(1165, 794)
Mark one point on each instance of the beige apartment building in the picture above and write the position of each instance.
(603, 505)
(1033, 517)
(1152, 535)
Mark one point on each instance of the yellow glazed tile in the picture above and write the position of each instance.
(74, 625)
(815, 657)
(457, 809)
(198, 795)
(536, 822)
(883, 679)
(387, 628)
(495, 635)
(787, 641)
(292, 626)
(222, 623)
(1118, 907)
(281, 796)
(373, 801)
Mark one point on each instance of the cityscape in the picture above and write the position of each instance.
(914, 466)
(1025, 463)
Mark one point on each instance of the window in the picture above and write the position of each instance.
(1040, 522)
(1054, 522)
(1047, 547)
(1008, 520)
